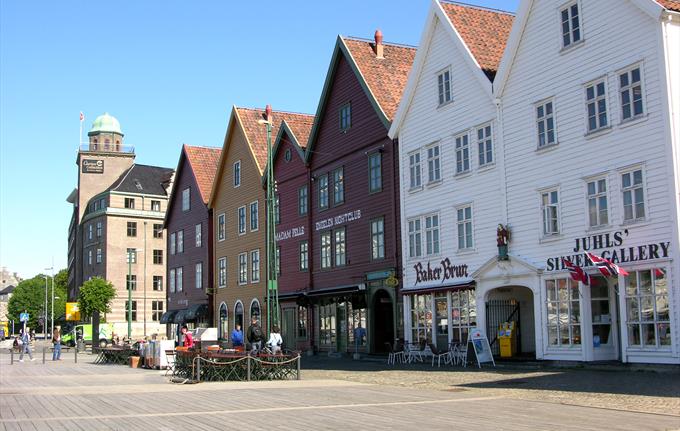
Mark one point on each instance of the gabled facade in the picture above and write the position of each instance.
(188, 226)
(451, 168)
(353, 199)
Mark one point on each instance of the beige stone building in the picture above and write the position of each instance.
(118, 211)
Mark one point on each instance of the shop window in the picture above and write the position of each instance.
(327, 328)
(564, 312)
(463, 314)
(302, 322)
(224, 322)
(238, 315)
(421, 318)
(648, 309)
(357, 325)
(255, 309)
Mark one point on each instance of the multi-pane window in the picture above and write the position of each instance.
(564, 312)
(131, 228)
(89, 257)
(433, 164)
(598, 209)
(157, 230)
(463, 314)
(630, 87)
(571, 26)
(375, 172)
(462, 154)
(131, 255)
(243, 268)
(131, 311)
(130, 203)
(158, 282)
(199, 275)
(180, 241)
(172, 278)
(323, 192)
(255, 266)
(131, 282)
(421, 318)
(545, 124)
(485, 145)
(198, 234)
(596, 105)
(550, 210)
(156, 310)
(90, 231)
(432, 234)
(378, 238)
(179, 282)
(464, 217)
(254, 216)
(302, 200)
(99, 255)
(340, 247)
(444, 86)
(648, 309)
(277, 209)
(415, 248)
(158, 257)
(633, 195)
(155, 205)
(302, 322)
(345, 116)
(237, 173)
(173, 243)
(338, 186)
(222, 272)
(241, 220)
(326, 249)
(221, 227)
(414, 170)
(99, 229)
(304, 256)
(186, 199)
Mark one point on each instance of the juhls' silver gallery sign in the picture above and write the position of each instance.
(338, 220)
(92, 166)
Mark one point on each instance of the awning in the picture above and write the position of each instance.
(291, 295)
(339, 290)
(180, 316)
(168, 316)
(467, 285)
(196, 311)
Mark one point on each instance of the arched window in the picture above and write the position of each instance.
(106, 144)
(255, 309)
(238, 314)
(224, 323)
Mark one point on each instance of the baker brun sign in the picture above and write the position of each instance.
(444, 271)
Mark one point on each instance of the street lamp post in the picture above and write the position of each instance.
(45, 310)
(129, 289)
(52, 320)
(272, 282)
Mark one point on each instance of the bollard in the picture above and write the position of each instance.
(76, 353)
(11, 356)
(298, 367)
(248, 361)
(43, 354)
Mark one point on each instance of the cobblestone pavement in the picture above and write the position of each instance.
(608, 387)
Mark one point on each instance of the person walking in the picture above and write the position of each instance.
(275, 340)
(237, 338)
(255, 335)
(56, 344)
(26, 345)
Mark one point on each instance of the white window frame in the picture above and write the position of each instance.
(326, 249)
(339, 186)
(415, 170)
(569, 301)
(652, 297)
(597, 197)
(378, 245)
(199, 275)
(485, 145)
(340, 246)
(432, 246)
(543, 120)
(255, 268)
(629, 89)
(237, 174)
(242, 269)
(434, 163)
(241, 220)
(444, 94)
(595, 101)
(186, 199)
(199, 234)
(222, 272)
(303, 255)
(415, 237)
(221, 227)
(303, 200)
(256, 205)
(461, 144)
(548, 233)
(568, 7)
(465, 223)
(323, 191)
(643, 186)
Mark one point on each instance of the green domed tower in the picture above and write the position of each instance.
(105, 134)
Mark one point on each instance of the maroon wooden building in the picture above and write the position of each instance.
(351, 292)
(188, 225)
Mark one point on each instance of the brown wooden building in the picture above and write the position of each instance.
(188, 225)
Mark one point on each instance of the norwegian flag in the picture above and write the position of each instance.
(606, 267)
(577, 273)
(82, 116)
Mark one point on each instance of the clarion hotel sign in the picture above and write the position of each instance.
(93, 166)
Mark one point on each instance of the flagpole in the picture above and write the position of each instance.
(80, 136)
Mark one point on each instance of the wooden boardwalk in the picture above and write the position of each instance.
(65, 396)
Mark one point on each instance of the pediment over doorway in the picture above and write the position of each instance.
(505, 270)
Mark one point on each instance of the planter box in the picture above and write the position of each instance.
(135, 361)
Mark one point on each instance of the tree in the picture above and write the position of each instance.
(95, 297)
(29, 296)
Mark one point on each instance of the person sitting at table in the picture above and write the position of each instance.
(188, 338)
(237, 337)
(275, 340)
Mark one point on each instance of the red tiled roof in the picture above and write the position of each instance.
(385, 77)
(484, 31)
(257, 133)
(301, 126)
(673, 5)
(204, 162)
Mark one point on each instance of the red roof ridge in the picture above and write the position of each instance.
(395, 44)
(277, 111)
(474, 6)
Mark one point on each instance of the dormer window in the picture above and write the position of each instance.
(345, 116)
(444, 86)
(571, 25)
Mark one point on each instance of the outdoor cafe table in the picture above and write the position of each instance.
(115, 355)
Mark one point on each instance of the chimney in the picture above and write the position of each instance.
(378, 44)
(268, 113)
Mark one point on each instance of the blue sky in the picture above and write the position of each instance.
(168, 70)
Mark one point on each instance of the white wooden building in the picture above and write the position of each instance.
(586, 139)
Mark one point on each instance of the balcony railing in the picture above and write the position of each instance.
(107, 148)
